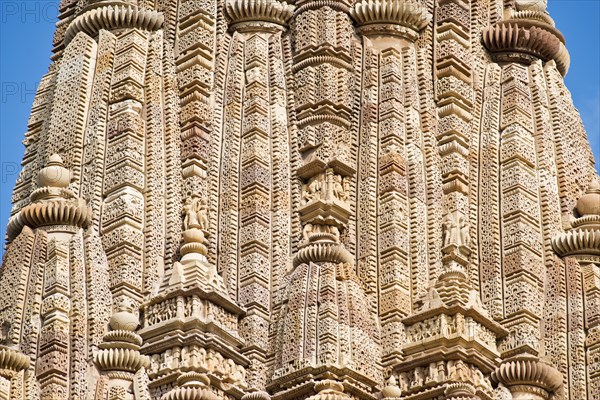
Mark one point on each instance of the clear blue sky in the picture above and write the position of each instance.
(27, 26)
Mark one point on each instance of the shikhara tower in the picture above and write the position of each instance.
(320, 199)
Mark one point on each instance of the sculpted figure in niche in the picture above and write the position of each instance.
(306, 232)
(403, 381)
(465, 233)
(455, 232)
(419, 377)
(339, 189)
(195, 213)
(449, 233)
(312, 190)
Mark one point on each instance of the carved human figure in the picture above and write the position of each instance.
(419, 377)
(465, 232)
(312, 190)
(335, 232)
(448, 232)
(432, 376)
(306, 232)
(190, 216)
(4, 333)
(338, 188)
(404, 382)
(195, 213)
(202, 210)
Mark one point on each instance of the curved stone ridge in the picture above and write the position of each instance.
(530, 372)
(273, 11)
(193, 386)
(577, 242)
(584, 239)
(329, 390)
(388, 15)
(323, 252)
(52, 204)
(111, 16)
(258, 395)
(525, 41)
(12, 361)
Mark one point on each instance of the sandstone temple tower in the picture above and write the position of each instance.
(303, 199)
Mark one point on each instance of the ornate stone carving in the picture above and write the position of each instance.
(53, 204)
(276, 200)
(113, 16)
(257, 11)
(392, 17)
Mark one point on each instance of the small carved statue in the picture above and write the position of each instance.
(339, 191)
(465, 232)
(4, 333)
(335, 232)
(312, 190)
(195, 213)
(190, 218)
(306, 232)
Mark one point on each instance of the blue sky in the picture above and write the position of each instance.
(27, 26)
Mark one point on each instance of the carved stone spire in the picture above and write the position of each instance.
(193, 300)
(295, 199)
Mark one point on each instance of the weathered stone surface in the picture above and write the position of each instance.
(325, 200)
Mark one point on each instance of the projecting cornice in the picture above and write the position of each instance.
(390, 17)
(520, 40)
(111, 16)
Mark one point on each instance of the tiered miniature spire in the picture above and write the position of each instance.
(582, 243)
(192, 301)
(327, 327)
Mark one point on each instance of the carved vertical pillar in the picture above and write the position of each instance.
(489, 207)
(525, 36)
(155, 190)
(195, 55)
(523, 267)
(385, 32)
(228, 218)
(257, 22)
(95, 131)
(454, 95)
(327, 318)
(124, 182)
